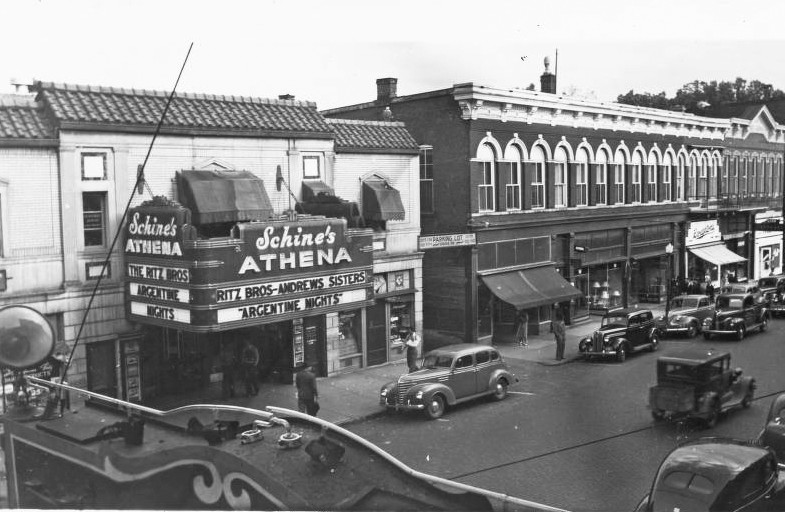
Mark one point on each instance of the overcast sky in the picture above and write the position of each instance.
(332, 51)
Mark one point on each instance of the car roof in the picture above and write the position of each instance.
(627, 311)
(691, 296)
(734, 295)
(460, 348)
(723, 459)
(694, 356)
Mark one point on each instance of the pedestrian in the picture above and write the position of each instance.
(412, 341)
(557, 324)
(250, 361)
(710, 290)
(228, 367)
(307, 394)
(522, 328)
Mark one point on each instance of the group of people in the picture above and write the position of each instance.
(557, 325)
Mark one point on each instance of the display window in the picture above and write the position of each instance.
(401, 318)
(349, 332)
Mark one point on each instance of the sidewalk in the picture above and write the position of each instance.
(355, 396)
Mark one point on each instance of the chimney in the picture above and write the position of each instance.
(548, 79)
(386, 89)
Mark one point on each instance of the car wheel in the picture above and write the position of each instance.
(657, 414)
(435, 407)
(692, 330)
(655, 342)
(621, 353)
(740, 332)
(500, 390)
(714, 415)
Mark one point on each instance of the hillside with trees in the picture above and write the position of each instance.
(698, 96)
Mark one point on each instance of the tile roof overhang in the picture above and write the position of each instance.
(360, 136)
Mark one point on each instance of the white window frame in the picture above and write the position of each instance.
(104, 219)
(582, 179)
(618, 182)
(513, 192)
(486, 191)
(692, 178)
(651, 182)
(312, 157)
(667, 179)
(602, 179)
(426, 169)
(89, 163)
(560, 180)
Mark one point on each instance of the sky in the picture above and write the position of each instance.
(332, 51)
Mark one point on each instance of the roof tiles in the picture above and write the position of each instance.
(21, 119)
(378, 135)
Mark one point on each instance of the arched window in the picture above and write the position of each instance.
(753, 190)
(513, 192)
(486, 189)
(733, 182)
(703, 177)
(715, 164)
(651, 180)
(618, 177)
(667, 176)
(637, 172)
(560, 178)
(770, 183)
(582, 177)
(681, 167)
(743, 178)
(692, 189)
(537, 186)
(601, 178)
(762, 177)
(724, 178)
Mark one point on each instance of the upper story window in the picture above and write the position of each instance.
(743, 177)
(754, 176)
(513, 192)
(692, 188)
(637, 167)
(426, 179)
(94, 218)
(762, 177)
(312, 166)
(537, 186)
(487, 187)
(723, 188)
(770, 177)
(94, 166)
(601, 178)
(667, 177)
(733, 182)
(581, 178)
(560, 178)
(618, 177)
(651, 183)
(680, 176)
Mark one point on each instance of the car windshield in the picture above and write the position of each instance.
(617, 320)
(673, 371)
(437, 361)
(728, 303)
(767, 282)
(684, 302)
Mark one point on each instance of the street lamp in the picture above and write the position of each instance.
(669, 284)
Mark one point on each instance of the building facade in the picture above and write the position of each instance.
(236, 234)
(573, 204)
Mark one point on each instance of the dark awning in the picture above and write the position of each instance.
(717, 254)
(313, 190)
(223, 196)
(531, 287)
(381, 201)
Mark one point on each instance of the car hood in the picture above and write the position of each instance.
(681, 311)
(607, 329)
(423, 375)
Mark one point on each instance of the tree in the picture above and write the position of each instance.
(697, 95)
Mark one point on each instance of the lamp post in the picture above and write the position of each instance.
(668, 286)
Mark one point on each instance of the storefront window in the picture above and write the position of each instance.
(485, 310)
(401, 317)
(349, 333)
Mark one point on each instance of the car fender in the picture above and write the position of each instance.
(744, 384)
(653, 332)
(501, 374)
(705, 401)
(616, 342)
(431, 388)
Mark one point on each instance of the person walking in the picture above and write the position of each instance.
(522, 328)
(412, 341)
(228, 366)
(557, 324)
(307, 394)
(250, 361)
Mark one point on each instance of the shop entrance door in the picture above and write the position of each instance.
(101, 368)
(314, 344)
(377, 333)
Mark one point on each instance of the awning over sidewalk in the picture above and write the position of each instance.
(531, 287)
(223, 196)
(717, 254)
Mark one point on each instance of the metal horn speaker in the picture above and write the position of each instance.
(26, 337)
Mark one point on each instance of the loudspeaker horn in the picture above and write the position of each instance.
(26, 337)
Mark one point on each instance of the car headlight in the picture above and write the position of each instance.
(418, 396)
(661, 318)
(384, 392)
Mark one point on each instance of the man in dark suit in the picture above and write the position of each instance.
(307, 394)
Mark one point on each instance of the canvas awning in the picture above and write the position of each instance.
(717, 254)
(223, 196)
(531, 287)
(382, 201)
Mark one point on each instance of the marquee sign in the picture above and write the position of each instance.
(260, 273)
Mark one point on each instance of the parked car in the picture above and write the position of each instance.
(686, 314)
(773, 290)
(621, 332)
(773, 434)
(735, 314)
(699, 384)
(750, 287)
(715, 474)
(449, 375)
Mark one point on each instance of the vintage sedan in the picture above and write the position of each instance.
(773, 434)
(736, 314)
(449, 375)
(699, 384)
(686, 314)
(773, 290)
(716, 474)
(621, 332)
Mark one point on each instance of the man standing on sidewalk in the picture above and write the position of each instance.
(307, 394)
(557, 324)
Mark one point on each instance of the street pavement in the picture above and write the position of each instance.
(354, 396)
